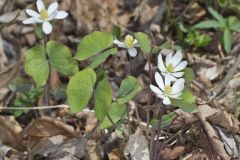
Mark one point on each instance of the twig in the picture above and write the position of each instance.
(34, 108)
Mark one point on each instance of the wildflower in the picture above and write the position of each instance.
(44, 15)
(165, 91)
(130, 43)
(173, 66)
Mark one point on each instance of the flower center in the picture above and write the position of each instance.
(44, 14)
(129, 41)
(169, 68)
(167, 90)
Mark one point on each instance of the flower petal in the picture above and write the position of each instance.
(166, 101)
(178, 86)
(161, 66)
(132, 52)
(32, 13)
(61, 15)
(29, 21)
(47, 27)
(120, 44)
(135, 43)
(169, 58)
(40, 5)
(52, 8)
(181, 66)
(169, 78)
(178, 74)
(155, 89)
(176, 96)
(159, 80)
(176, 58)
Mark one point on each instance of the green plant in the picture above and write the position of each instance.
(225, 25)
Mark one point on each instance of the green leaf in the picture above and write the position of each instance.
(165, 45)
(186, 107)
(235, 26)
(116, 112)
(227, 39)
(100, 58)
(207, 24)
(116, 31)
(80, 89)
(61, 58)
(36, 65)
(143, 41)
(102, 98)
(187, 96)
(128, 89)
(215, 14)
(166, 120)
(188, 75)
(92, 44)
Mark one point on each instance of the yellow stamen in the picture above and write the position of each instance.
(44, 14)
(129, 41)
(167, 90)
(169, 68)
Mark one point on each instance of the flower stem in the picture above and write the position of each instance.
(47, 85)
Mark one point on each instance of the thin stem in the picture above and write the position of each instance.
(47, 85)
(33, 108)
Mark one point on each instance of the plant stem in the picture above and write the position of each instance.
(47, 85)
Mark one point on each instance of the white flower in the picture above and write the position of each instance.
(130, 43)
(165, 90)
(173, 65)
(45, 15)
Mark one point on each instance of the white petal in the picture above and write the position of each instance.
(52, 8)
(135, 43)
(169, 58)
(176, 59)
(29, 21)
(161, 66)
(32, 13)
(166, 101)
(181, 66)
(178, 86)
(159, 80)
(47, 27)
(132, 52)
(40, 5)
(168, 79)
(162, 96)
(61, 15)
(155, 89)
(176, 96)
(120, 44)
(178, 74)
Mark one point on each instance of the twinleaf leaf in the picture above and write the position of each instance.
(102, 98)
(128, 89)
(36, 65)
(61, 58)
(143, 41)
(188, 75)
(80, 89)
(207, 24)
(116, 113)
(92, 44)
(102, 57)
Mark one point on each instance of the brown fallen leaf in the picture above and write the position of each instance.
(174, 153)
(218, 146)
(47, 127)
(225, 120)
(137, 147)
(9, 133)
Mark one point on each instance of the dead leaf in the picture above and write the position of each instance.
(137, 147)
(204, 112)
(225, 120)
(47, 127)
(9, 132)
(175, 153)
